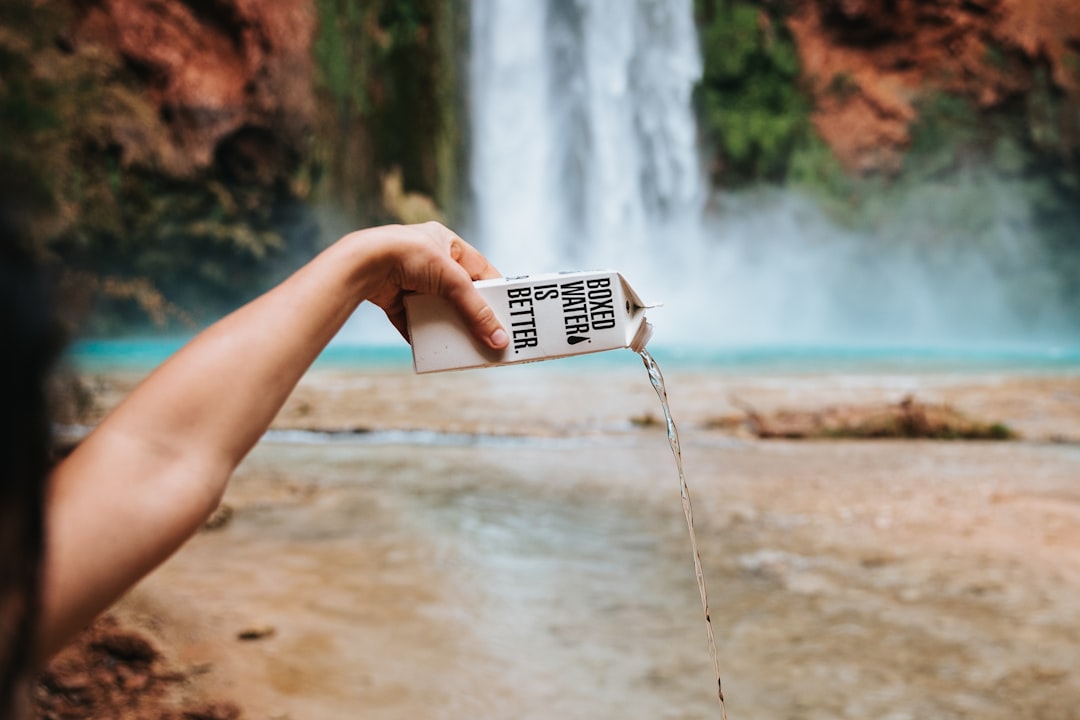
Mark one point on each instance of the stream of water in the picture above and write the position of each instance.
(657, 380)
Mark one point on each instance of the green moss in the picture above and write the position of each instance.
(752, 108)
(342, 51)
(389, 90)
(998, 57)
(30, 122)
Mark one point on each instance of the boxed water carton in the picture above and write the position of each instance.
(546, 316)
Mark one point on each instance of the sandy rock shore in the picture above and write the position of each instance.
(510, 544)
(540, 400)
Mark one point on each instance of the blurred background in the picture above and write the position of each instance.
(808, 173)
(862, 219)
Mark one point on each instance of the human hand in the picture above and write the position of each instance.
(429, 259)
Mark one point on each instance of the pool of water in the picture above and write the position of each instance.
(146, 353)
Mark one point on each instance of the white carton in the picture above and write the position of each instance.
(547, 316)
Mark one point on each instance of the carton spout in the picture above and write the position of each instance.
(642, 337)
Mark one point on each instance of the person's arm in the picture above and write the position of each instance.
(150, 474)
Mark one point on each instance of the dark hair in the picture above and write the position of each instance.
(31, 342)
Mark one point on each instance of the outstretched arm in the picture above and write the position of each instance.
(150, 474)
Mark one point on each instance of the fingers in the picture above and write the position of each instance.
(478, 315)
(458, 289)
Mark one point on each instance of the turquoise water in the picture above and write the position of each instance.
(147, 353)
(140, 354)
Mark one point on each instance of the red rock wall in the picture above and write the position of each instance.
(869, 61)
(221, 74)
(232, 79)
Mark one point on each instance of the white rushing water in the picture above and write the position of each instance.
(584, 143)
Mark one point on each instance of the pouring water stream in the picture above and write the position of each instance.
(657, 380)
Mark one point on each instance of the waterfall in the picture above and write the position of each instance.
(584, 142)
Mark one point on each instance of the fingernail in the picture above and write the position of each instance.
(499, 338)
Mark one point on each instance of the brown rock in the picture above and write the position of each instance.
(229, 79)
(256, 632)
(126, 647)
(868, 63)
(111, 671)
(908, 419)
(222, 516)
(216, 711)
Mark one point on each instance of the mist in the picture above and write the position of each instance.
(770, 267)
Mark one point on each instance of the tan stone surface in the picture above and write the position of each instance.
(546, 572)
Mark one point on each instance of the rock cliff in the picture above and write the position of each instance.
(233, 79)
(229, 80)
(868, 63)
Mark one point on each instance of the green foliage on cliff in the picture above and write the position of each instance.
(388, 91)
(342, 50)
(752, 108)
(29, 121)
